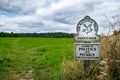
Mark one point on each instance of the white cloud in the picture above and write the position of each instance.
(54, 15)
(53, 7)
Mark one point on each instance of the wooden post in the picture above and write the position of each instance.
(86, 68)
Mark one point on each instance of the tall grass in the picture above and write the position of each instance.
(108, 68)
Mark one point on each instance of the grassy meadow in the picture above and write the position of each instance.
(34, 58)
(53, 59)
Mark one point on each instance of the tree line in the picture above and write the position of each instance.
(42, 35)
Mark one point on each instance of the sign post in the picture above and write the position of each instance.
(85, 47)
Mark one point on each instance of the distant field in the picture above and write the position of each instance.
(34, 58)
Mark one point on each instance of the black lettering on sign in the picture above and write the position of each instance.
(87, 49)
(84, 54)
(82, 49)
(94, 38)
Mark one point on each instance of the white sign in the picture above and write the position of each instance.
(87, 30)
(87, 51)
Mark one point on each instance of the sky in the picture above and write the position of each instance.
(23, 16)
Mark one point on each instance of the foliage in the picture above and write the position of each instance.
(116, 32)
(42, 35)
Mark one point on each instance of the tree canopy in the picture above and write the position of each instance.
(42, 35)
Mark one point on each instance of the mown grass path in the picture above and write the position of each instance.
(33, 58)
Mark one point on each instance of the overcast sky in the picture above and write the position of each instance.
(55, 15)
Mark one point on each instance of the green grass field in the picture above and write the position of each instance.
(53, 59)
(34, 58)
